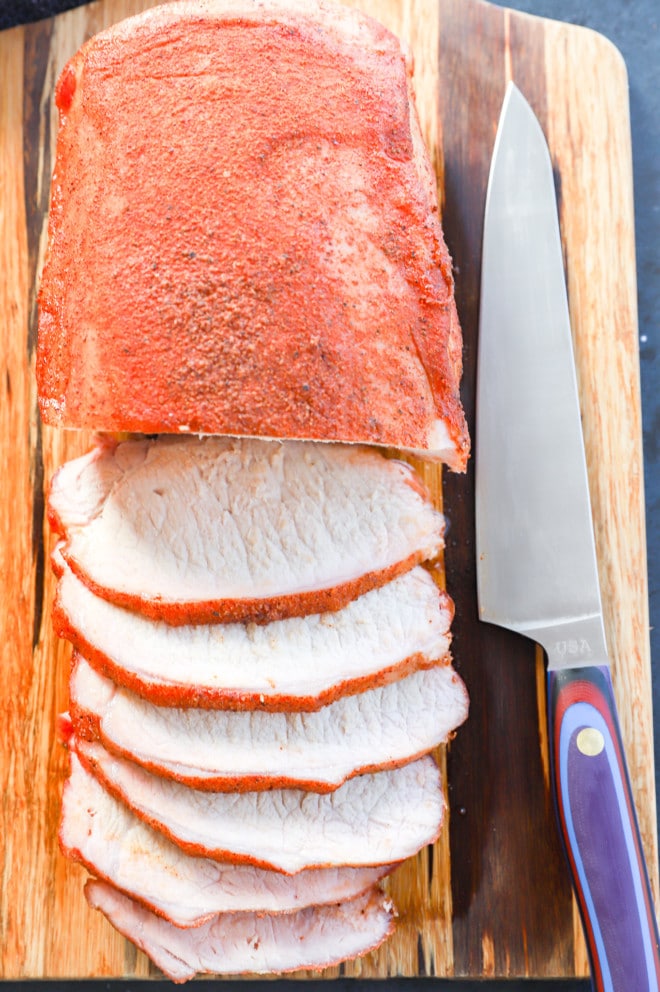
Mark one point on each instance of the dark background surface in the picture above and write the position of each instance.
(633, 27)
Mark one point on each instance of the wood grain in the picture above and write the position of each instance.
(492, 896)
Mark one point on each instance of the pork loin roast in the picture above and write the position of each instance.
(247, 751)
(195, 529)
(255, 254)
(297, 664)
(102, 833)
(246, 273)
(238, 943)
(370, 820)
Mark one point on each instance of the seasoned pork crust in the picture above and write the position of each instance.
(371, 820)
(244, 234)
(102, 833)
(234, 944)
(243, 752)
(196, 530)
(301, 663)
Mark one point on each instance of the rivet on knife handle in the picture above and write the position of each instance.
(600, 832)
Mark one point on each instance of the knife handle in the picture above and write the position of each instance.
(600, 832)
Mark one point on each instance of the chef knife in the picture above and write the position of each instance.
(536, 560)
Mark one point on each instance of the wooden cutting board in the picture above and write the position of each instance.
(492, 897)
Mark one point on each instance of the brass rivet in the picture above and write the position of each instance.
(590, 741)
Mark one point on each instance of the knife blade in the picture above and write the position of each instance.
(537, 570)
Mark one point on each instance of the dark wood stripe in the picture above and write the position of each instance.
(509, 881)
(37, 171)
(38, 547)
(430, 864)
(37, 103)
(421, 962)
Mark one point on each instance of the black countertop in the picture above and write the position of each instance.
(632, 25)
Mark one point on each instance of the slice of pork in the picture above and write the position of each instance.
(371, 820)
(234, 944)
(224, 751)
(100, 832)
(202, 529)
(297, 664)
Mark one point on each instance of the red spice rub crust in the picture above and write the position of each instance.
(190, 847)
(260, 611)
(205, 697)
(88, 729)
(87, 726)
(244, 235)
(76, 855)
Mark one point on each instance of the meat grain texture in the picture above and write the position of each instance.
(302, 663)
(241, 752)
(193, 530)
(261, 662)
(376, 819)
(116, 846)
(315, 937)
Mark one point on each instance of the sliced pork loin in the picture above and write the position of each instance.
(100, 832)
(240, 943)
(297, 664)
(223, 751)
(371, 820)
(202, 529)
